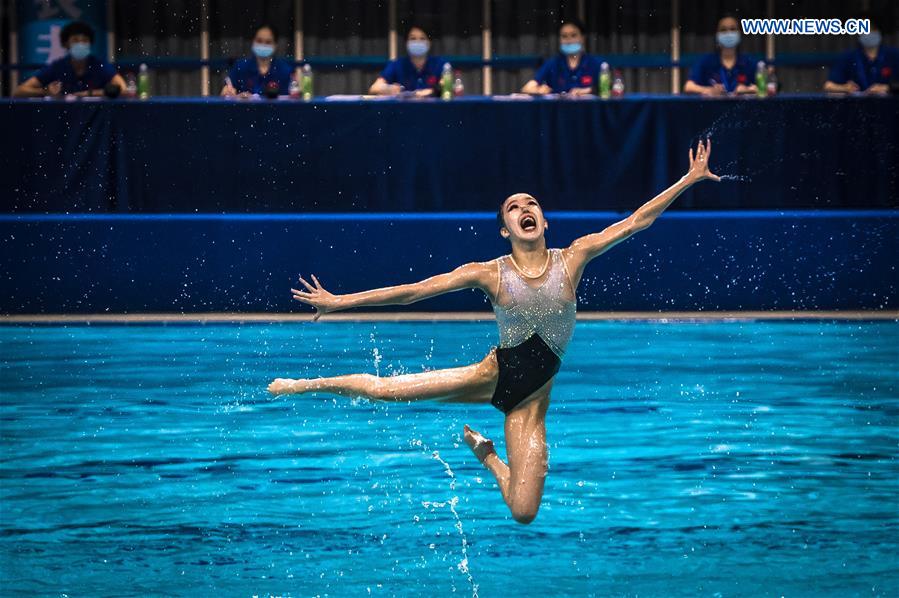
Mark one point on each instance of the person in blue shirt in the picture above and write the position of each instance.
(725, 72)
(417, 72)
(572, 71)
(79, 72)
(869, 67)
(252, 75)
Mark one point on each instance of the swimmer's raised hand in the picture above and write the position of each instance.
(317, 297)
(588, 247)
(699, 164)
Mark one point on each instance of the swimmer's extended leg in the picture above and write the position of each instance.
(471, 383)
(521, 481)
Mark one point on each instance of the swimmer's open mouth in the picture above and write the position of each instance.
(528, 223)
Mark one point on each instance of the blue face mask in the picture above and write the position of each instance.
(263, 50)
(571, 49)
(870, 40)
(80, 50)
(728, 39)
(417, 47)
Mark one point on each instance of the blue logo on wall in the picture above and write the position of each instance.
(40, 22)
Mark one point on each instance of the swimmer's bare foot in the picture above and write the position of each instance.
(480, 446)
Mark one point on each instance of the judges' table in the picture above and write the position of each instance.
(214, 155)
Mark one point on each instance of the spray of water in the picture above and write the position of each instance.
(728, 126)
(376, 354)
(462, 566)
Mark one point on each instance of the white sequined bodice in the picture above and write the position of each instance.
(547, 310)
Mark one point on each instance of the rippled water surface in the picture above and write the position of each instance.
(717, 459)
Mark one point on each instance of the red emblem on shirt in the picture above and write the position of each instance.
(741, 79)
(885, 72)
(586, 80)
(432, 80)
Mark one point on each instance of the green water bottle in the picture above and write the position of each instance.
(143, 82)
(605, 81)
(307, 82)
(446, 82)
(761, 82)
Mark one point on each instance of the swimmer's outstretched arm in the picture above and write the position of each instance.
(585, 248)
(476, 275)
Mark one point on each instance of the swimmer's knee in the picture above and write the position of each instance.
(378, 388)
(524, 514)
(524, 507)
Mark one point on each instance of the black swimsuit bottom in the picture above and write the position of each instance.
(523, 369)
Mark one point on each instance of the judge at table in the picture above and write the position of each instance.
(572, 71)
(869, 67)
(78, 73)
(725, 71)
(417, 72)
(253, 74)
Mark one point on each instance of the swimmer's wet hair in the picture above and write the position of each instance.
(76, 28)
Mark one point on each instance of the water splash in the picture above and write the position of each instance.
(735, 177)
(376, 354)
(462, 565)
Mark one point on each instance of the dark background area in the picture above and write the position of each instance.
(178, 155)
(520, 28)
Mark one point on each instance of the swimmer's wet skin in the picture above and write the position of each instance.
(532, 291)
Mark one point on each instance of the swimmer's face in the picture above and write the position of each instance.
(522, 218)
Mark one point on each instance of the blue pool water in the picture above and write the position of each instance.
(713, 459)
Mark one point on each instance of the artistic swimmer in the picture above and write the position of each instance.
(532, 291)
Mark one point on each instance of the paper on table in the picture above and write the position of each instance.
(514, 96)
(354, 97)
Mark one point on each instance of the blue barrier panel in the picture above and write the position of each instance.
(197, 263)
(282, 156)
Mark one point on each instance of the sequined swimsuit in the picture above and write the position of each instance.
(535, 326)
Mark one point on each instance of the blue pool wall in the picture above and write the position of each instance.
(705, 261)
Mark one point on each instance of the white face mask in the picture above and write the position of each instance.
(728, 39)
(80, 50)
(418, 47)
(263, 50)
(870, 40)
(571, 48)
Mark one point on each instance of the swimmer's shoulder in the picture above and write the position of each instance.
(479, 272)
(484, 275)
